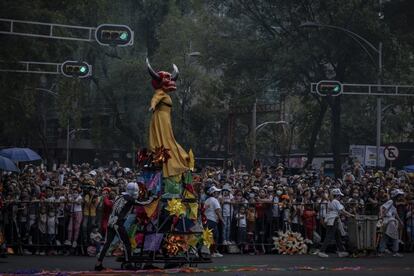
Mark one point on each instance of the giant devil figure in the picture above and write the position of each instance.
(161, 133)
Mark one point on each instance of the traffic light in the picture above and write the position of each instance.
(329, 88)
(77, 69)
(114, 35)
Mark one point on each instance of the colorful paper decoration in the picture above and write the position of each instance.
(193, 210)
(151, 209)
(193, 240)
(290, 243)
(153, 241)
(161, 155)
(175, 244)
(147, 175)
(208, 239)
(131, 234)
(188, 195)
(176, 207)
(172, 187)
(154, 183)
(183, 224)
(188, 178)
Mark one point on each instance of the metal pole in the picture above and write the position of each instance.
(379, 108)
(254, 111)
(67, 144)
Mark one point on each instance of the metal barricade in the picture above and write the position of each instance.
(362, 232)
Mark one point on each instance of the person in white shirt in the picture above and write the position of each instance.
(241, 224)
(213, 215)
(226, 202)
(390, 220)
(332, 222)
(51, 229)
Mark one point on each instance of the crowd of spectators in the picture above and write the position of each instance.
(43, 211)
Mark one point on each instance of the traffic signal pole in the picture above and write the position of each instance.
(77, 69)
(106, 34)
(31, 67)
(88, 33)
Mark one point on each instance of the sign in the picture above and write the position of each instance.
(367, 155)
(371, 156)
(391, 153)
(329, 88)
(357, 152)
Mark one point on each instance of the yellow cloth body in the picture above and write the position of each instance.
(161, 134)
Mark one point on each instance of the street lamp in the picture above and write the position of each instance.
(258, 127)
(357, 38)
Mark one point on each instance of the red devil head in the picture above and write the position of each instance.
(163, 80)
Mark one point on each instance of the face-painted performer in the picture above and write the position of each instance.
(123, 205)
(161, 133)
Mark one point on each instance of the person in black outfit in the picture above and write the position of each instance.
(121, 208)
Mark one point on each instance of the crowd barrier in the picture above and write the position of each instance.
(43, 227)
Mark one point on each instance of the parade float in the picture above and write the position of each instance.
(170, 229)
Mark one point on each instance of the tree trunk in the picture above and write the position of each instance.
(336, 135)
(315, 131)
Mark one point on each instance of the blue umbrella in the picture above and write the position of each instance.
(20, 154)
(7, 165)
(409, 168)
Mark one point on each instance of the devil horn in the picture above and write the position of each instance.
(174, 75)
(151, 71)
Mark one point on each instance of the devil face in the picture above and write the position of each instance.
(166, 83)
(163, 80)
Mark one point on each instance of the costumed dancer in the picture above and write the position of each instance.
(161, 134)
(121, 208)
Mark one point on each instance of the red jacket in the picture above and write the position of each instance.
(107, 209)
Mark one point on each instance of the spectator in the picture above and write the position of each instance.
(388, 214)
(241, 224)
(75, 220)
(96, 238)
(213, 215)
(309, 221)
(90, 202)
(226, 199)
(333, 224)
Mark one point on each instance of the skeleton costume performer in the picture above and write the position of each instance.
(161, 132)
(121, 208)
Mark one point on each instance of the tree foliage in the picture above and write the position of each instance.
(229, 52)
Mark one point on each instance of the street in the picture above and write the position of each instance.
(229, 265)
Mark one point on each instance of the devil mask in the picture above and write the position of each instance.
(163, 80)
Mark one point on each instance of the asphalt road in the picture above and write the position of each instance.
(228, 265)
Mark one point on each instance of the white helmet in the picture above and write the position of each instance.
(132, 189)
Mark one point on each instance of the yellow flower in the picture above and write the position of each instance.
(176, 207)
(208, 239)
